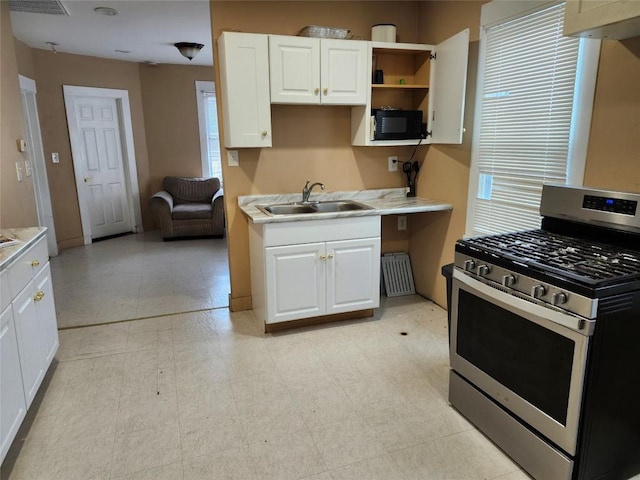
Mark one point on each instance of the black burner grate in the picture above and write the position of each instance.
(579, 259)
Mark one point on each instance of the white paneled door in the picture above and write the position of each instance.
(102, 166)
(104, 160)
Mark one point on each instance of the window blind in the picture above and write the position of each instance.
(527, 100)
(213, 145)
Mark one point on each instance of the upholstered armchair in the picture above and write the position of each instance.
(188, 207)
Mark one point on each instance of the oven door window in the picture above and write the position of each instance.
(530, 360)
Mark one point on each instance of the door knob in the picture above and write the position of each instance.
(88, 179)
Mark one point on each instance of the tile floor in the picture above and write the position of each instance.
(208, 395)
(137, 276)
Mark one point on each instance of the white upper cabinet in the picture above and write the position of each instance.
(429, 78)
(447, 92)
(244, 76)
(610, 19)
(317, 71)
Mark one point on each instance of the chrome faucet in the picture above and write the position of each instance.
(306, 190)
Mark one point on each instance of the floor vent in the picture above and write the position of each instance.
(397, 274)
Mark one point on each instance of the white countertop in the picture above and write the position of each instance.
(26, 236)
(389, 201)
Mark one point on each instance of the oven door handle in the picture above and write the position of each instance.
(534, 310)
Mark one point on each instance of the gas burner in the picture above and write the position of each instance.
(582, 260)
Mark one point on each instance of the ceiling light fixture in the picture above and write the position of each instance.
(188, 49)
(53, 46)
(110, 12)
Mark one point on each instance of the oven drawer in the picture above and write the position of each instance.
(532, 453)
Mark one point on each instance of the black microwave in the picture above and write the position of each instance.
(396, 124)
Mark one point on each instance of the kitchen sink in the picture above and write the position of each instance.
(315, 207)
(339, 206)
(288, 209)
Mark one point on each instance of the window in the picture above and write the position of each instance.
(209, 137)
(533, 111)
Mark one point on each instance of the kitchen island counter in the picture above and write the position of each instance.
(390, 201)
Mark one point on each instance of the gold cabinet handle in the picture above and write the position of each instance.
(325, 91)
(316, 91)
(330, 256)
(35, 263)
(264, 133)
(39, 296)
(322, 257)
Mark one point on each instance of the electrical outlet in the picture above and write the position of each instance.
(402, 222)
(393, 163)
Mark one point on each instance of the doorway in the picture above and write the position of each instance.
(37, 161)
(104, 163)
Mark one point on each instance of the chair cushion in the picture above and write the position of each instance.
(190, 211)
(185, 190)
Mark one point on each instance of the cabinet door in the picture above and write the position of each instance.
(446, 95)
(353, 275)
(244, 78)
(344, 70)
(12, 399)
(611, 19)
(294, 69)
(295, 282)
(29, 337)
(46, 311)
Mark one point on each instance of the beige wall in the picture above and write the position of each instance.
(53, 70)
(17, 200)
(24, 58)
(171, 120)
(445, 168)
(308, 142)
(613, 158)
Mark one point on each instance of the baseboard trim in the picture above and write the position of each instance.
(305, 322)
(240, 304)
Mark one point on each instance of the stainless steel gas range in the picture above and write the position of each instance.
(545, 334)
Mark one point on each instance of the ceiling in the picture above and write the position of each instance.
(146, 28)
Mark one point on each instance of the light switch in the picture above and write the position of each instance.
(22, 145)
(27, 168)
(232, 158)
(55, 158)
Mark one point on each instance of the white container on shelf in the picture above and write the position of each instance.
(384, 32)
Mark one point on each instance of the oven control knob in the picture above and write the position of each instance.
(508, 280)
(559, 298)
(469, 265)
(483, 270)
(538, 291)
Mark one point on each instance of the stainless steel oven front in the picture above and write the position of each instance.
(528, 357)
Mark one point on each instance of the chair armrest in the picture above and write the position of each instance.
(162, 195)
(217, 211)
(217, 195)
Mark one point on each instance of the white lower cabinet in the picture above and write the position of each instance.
(14, 407)
(295, 278)
(28, 335)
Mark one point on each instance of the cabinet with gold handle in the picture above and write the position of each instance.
(325, 91)
(35, 263)
(322, 257)
(330, 256)
(316, 91)
(38, 296)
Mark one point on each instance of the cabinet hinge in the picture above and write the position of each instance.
(433, 56)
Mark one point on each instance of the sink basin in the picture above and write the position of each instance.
(339, 206)
(317, 207)
(288, 209)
